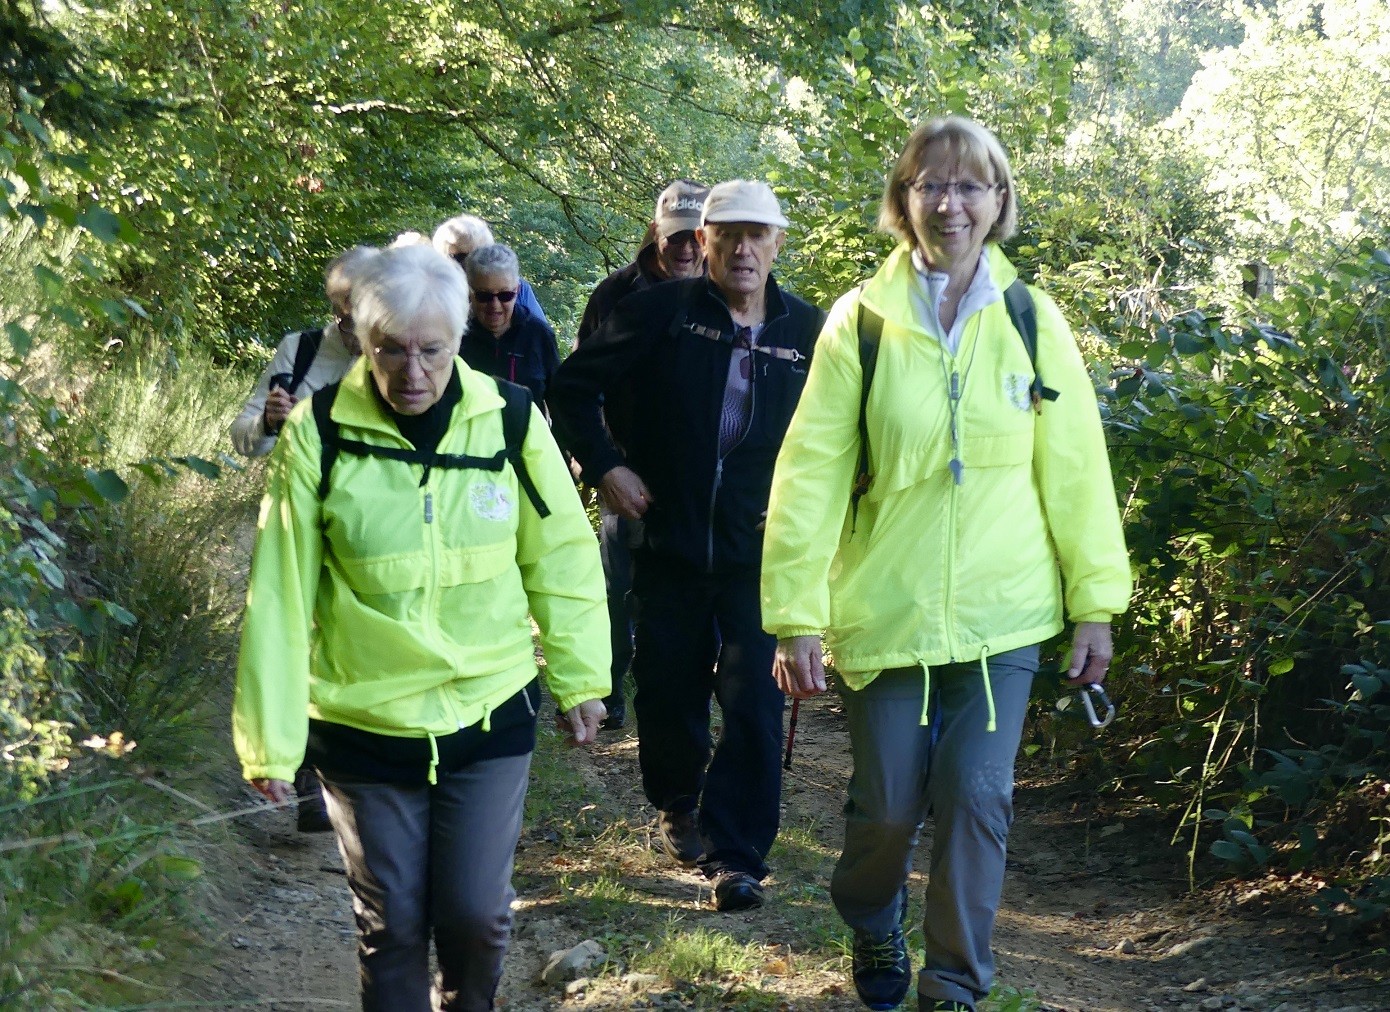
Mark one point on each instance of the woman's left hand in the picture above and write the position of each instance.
(581, 722)
(1091, 650)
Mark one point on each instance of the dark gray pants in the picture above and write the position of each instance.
(422, 859)
(960, 773)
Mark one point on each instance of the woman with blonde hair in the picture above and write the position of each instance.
(936, 518)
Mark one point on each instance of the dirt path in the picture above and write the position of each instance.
(1096, 914)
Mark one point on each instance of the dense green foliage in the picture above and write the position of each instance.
(173, 178)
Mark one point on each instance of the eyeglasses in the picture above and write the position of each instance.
(345, 322)
(487, 297)
(969, 191)
(394, 358)
(682, 238)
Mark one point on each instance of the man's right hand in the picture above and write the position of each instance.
(278, 405)
(624, 493)
(798, 667)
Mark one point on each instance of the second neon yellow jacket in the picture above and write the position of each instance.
(932, 572)
(399, 603)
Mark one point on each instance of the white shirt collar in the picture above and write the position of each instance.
(931, 287)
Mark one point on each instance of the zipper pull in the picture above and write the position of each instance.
(429, 507)
(957, 471)
(955, 386)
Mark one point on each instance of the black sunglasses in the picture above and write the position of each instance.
(502, 297)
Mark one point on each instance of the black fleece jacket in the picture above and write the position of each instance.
(637, 276)
(656, 371)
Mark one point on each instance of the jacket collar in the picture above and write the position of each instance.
(772, 295)
(889, 292)
(357, 406)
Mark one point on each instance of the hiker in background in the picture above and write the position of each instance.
(461, 235)
(502, 338)
(670, 251)
(305, 361)
(989, 515)
(696, 381)
(387, 636)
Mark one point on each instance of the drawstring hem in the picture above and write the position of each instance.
(487, 717)
(434, 761)
(926, 695)
(989, 691)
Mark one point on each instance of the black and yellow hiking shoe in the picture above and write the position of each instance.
(882, 970)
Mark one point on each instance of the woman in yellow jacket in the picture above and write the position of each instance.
(387, 641)
(985, 522)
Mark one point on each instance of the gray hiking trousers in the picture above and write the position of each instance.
(959, 773)
(431, 859)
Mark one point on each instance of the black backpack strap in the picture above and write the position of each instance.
(304, 354)
(322, 405)
(869, 327)
(682, 313)
(516, 420)
(1019, 302)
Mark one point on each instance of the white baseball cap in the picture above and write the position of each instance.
(743, 200)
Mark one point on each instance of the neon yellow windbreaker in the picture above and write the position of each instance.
(935, 572)
(400, 607)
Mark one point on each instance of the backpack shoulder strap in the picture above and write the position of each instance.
(682, 313)
(1019, 302)
(322, 405)
(304, 354)
(516, 420)
(869, 326)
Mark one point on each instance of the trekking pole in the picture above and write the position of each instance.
(791, 734)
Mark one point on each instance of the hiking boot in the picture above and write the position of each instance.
(925, 1004)
(679, 836)
(882, 970)
(312, 814)
(737, 890)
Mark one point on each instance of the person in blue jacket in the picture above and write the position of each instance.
(461, 235)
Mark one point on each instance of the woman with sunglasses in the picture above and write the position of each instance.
(503, 338)
(461, 235)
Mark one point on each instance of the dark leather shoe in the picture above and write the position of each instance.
(679, 836)
(737, 890)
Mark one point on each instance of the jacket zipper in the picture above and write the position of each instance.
(952, 516)
(713, 495)
(432, 592)
(719, 459)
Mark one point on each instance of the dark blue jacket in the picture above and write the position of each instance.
(655, 371)
(525, 354)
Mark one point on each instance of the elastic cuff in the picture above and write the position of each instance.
(285, 773)
(1095, 616)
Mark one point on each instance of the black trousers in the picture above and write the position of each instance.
(613, 541)
(684, 619)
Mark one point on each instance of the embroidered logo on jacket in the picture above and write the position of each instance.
(491, 501)
(1016, 390)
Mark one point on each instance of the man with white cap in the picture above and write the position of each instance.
(669, 252)
(697, 380)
